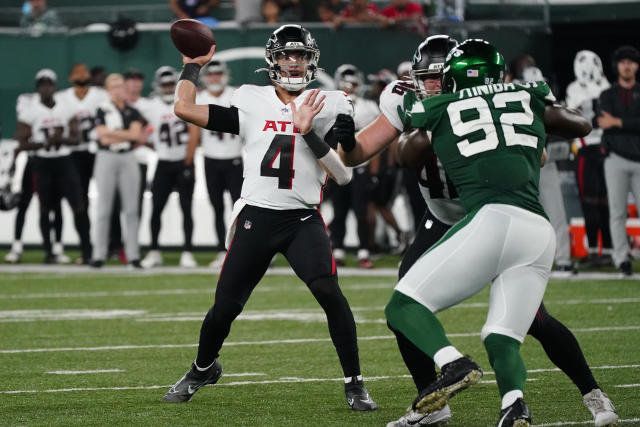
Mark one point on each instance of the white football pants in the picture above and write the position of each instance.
(508, 246)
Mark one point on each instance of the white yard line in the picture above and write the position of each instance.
(628, 385)
(571, 423)
(95, 371)
(242, 343)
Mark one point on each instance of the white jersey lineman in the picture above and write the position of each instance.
(84, 110)
(437, 191)
(219, 145)
(280, 171)
(170, 134)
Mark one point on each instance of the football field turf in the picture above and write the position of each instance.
(103, 348)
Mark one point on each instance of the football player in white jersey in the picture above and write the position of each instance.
(23, 103)
(175, 171)
(284, 129)
(222, 151)
(48, 128)
(356, 195)
(443, 211)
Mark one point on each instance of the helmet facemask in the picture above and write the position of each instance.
(434, 73)
(293, 67)
(164, 84)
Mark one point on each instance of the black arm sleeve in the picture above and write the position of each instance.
(223, 119)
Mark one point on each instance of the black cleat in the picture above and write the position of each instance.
(516, 415)
(625, 269)
(184, 389)
(454, 377)
(358, 397)
(96, 263)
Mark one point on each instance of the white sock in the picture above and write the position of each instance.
(57, 249)
(347, 380)
(16, 246)
(446, 355)
(510, 397)
(363, 254)
(203, 369)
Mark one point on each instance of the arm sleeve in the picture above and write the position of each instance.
(223, 119)
(341, 174)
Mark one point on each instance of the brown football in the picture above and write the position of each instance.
(192, 37)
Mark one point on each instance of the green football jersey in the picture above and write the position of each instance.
(490, 140)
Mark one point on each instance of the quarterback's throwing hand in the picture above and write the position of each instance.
(303, 115)
(200, 60)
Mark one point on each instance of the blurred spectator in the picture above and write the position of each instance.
(38, 18)
(185, 9)
(290, 10)
(248, 11)
(358, 11)
(452, 10)
(270, 11)
(620, 120)
(328, 10)
(98, 76)
(517, 66)
(404, 13)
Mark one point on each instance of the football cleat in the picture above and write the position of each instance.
(625, 269)
(13, 257)
(516, 415)
(440, 417)
(454, 377)
(357, 396)
(153, 259)
(191, 382)
(604, 414)
(187, 260)
(135, 265)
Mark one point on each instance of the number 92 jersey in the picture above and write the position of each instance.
(170, 134)
(280, 170)
(490, 140)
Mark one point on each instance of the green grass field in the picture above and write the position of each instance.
(280, 367)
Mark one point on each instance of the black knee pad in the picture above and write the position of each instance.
(325, 287)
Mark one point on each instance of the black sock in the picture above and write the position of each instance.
(421, 367)
(215, 329)
(563, 350)
(342, 326)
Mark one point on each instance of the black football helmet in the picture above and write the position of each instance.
(428, 61)
(283, 41)
(164, 79)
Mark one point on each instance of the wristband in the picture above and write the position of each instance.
(316, 144)
(190, 72)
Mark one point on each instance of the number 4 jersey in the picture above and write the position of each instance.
(490, 140)
(280, 170)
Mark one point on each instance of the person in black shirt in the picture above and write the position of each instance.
(620, 119)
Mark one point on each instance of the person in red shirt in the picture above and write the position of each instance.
(358, 11)
(404, 13)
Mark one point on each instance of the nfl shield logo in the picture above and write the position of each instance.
(247, 224)
(284, 110)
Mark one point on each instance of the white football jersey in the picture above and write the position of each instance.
(280, 170)
(365, 111)
(44, 121)
(584, 97)
(170, 134)
(436, 189)
(219, 145)
(84, 110)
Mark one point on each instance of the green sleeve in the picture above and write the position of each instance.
(542, 91)
(419, 115)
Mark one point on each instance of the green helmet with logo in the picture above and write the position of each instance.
(473, 62)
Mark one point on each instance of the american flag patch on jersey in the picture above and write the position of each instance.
(472, 73)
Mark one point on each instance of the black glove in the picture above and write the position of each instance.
(344, 131)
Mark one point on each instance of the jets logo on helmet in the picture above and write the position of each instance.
(428, 61)
(474, 62)
(164, 83)
(292, 55)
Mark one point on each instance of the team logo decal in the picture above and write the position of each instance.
(247, 224)
(284, 110)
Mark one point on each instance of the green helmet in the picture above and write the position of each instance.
(473, 62)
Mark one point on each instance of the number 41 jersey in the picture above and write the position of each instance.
(490, 140)
(280, 170)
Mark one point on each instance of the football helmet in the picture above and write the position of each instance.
(348, 78)
(473, 62)
(215, 67)
(428, 62)
(294, 44)
(587, 67)
(164, 84)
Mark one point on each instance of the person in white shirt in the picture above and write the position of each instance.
(175, 169)
(49, 128)
(222, 151)
(285, 129)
